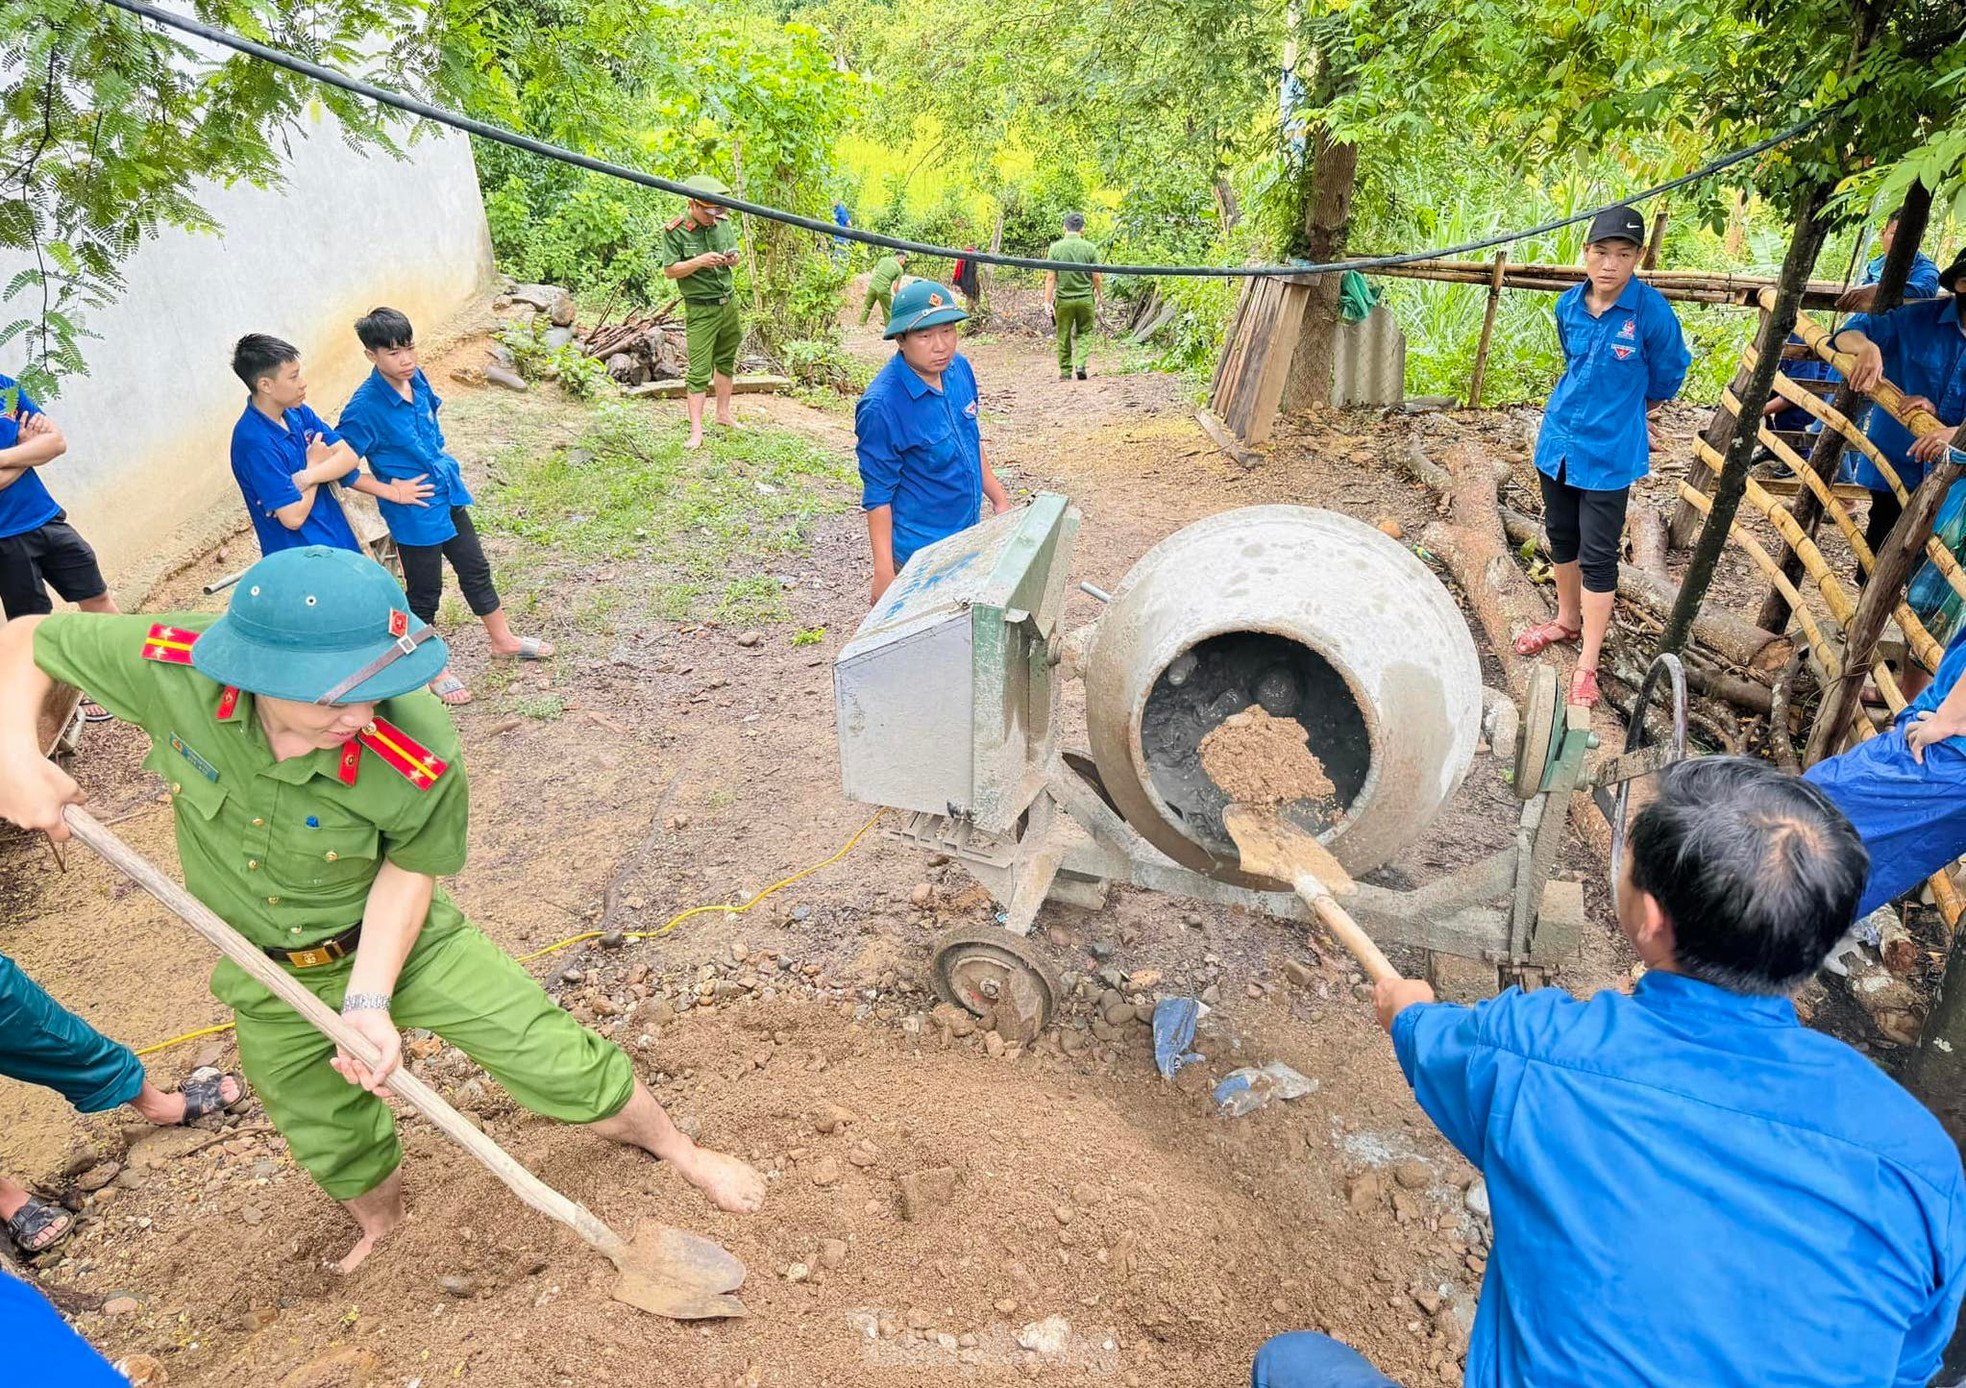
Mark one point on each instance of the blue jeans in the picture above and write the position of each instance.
(1306, 1359)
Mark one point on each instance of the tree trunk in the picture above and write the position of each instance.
(1803, 247)
(1828, 452)
(1474, 548)
(1327, 224)
(1685, 516)
(1227, 209)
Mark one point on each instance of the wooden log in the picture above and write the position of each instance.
(1648, 534)
(1224, 440)
(1693, 286)
(1811, 628)
(741, 385)
(1474, 547)
(1779, 733)
(1487, 330)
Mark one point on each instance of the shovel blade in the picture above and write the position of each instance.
(672, 1272)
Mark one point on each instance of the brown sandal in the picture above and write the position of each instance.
(1543, 635)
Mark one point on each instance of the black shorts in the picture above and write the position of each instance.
(52, 556)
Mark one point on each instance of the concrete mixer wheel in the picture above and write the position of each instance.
(999, 977)
(1541, 727)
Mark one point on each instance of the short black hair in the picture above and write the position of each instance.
(259, 355)
(1075, 221)
(1757, 870)
(1893, 219)
(385, 328)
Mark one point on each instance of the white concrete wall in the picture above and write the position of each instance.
(146, 477)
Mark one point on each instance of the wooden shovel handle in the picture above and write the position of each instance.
(1346, 930)
(288, 989)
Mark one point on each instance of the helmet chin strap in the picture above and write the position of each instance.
(400, 647)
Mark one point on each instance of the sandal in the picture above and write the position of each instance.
(204, 1093)
(450, 691)
(39, 1226)
(1544, 635)
(1583, 687)
(530, 648)
(93, 712)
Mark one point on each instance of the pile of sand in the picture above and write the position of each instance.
(1260, 760)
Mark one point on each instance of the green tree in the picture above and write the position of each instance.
(111, 124)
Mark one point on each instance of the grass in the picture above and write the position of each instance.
(811, 636)
(545, 707)
(668, 535)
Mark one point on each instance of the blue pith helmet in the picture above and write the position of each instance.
(303, 623)
(923, 304)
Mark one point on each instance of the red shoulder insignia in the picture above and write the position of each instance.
(172, 645)
(228, 700)
(404, 754)
(671, 226)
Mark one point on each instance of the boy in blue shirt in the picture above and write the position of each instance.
(1623, 357)
(283, 454)
(391, 421)
(1687, 1185)
(39, 549)
(923, 473)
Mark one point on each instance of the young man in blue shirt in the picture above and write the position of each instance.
(1921, 283)
(391, 421)
(1623, 357)
(1921, 346)
(39, 549)
(1687, 1185)
(923, 472)
(283, 454)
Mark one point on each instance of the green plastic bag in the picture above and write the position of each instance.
(1356, 297)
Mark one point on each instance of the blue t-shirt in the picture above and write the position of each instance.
(1922, 282)
(921, 452)
(1690, 1187)
(1594, 427)
(265, 457)
(1924, 354)
(401, 439)
(25, 505)
(41, 1347)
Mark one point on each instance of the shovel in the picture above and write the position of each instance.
(1271, 846)
(666, 1271)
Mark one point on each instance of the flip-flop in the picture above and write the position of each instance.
(35, 1220)
(1544, 635)
(203, 1091)
(448, 689)
(530, 648)
(93, 712)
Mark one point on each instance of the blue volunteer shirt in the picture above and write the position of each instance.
(265, 457)
(1689, 1187)
(1924, 354)
(1921, 283)
(921, 452)
(401, 440)
(1594, 427)
(24, 504)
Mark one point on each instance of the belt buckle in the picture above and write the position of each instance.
(309, 958)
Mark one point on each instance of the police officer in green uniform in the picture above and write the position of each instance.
(318, 797)
(698, 250)
(1073, 297)
(881, 284)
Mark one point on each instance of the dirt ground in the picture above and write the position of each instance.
(686, 767)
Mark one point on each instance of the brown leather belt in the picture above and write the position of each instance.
(326, 952)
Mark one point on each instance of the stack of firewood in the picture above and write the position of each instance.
(640, 348)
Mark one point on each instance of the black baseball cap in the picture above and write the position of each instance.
(1619, 223)
(1949, 281)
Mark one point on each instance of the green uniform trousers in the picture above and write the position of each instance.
(42, 1042)
(883, 297)
(456, 983)
(1074, 333)
(713, 334)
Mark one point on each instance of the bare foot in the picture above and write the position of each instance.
(357, 1255)
(527, 647)
(731, 1184)
(695, 442)
(723, 423)
(377, 1213)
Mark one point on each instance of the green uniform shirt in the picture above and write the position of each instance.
(1074, 284)
(683, 240)
(886, 271)
(283, 851)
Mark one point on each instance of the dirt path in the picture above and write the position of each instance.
(677, 766)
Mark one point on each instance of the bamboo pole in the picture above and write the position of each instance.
(1894, 401)
(1487, 330)
(1819, 643)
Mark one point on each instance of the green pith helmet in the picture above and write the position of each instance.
(923, 304)
(320, 625)
(709, 183)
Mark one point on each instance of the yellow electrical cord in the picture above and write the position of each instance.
(664, 929)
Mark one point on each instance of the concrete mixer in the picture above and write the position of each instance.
(948, 706)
